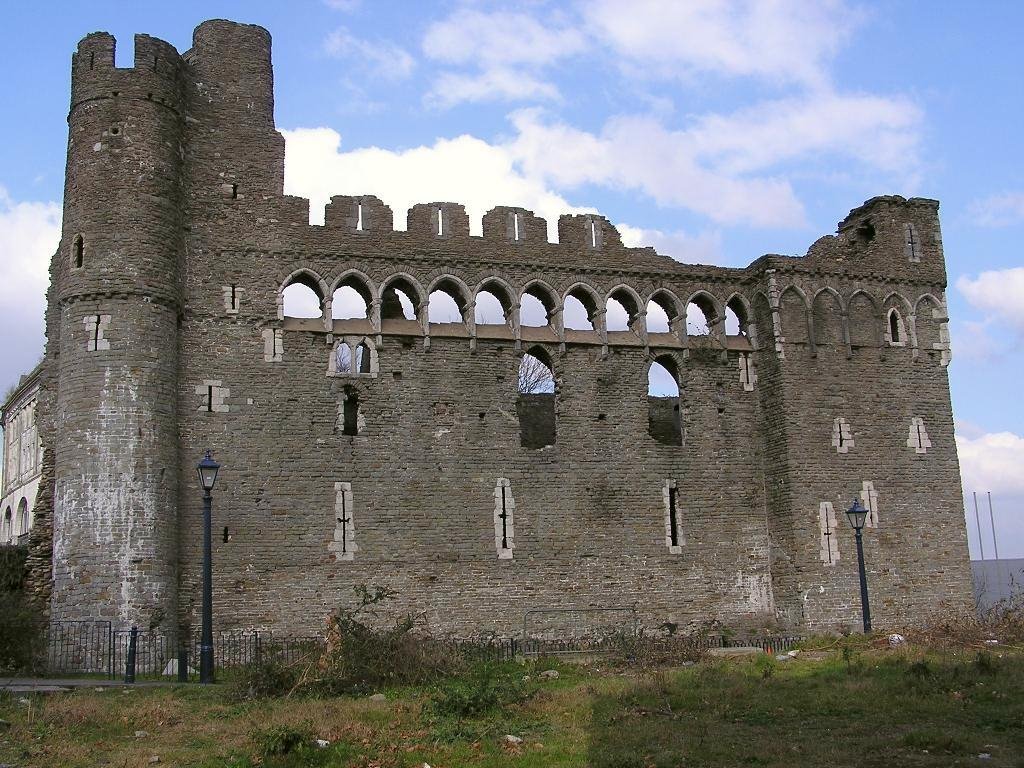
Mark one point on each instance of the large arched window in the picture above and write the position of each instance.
(663, 417)
(536, 306)
(301, 297)
(700, 315)
(446, 303)
(536, 402)
(400, 299)
(351, 299)
(737, 318)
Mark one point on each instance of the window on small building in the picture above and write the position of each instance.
(23, 517)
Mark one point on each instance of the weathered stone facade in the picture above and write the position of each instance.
(23, 458)
(424, 469)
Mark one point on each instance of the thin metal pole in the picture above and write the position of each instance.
(206, 642)
(977, 521)
(992, 520)
(865, 608)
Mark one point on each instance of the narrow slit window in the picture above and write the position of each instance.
(911, 243)
(829, 542)
(96, 333)
(515, 226)
(504, 524)
(842, 435)
(78, 252)
(343, 544)
(674, 539)
(209, 398)
(918, 438)
(234, 191)
(593, 234)
(359, 217)
(227, 536)
(440, 222)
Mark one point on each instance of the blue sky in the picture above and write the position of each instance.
(716, 131)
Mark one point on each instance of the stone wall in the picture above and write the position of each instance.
(186, 296)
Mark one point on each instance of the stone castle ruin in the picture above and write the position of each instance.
(395, 450)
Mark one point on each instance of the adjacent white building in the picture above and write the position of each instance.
(23, 460)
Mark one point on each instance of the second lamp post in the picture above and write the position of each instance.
(858, 516)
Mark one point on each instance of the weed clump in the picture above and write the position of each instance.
(356, 656)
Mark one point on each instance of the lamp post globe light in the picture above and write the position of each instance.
(207, 469)
(858, 516)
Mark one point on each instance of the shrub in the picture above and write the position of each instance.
(20, 634)
(485, 689)
(280, 740)
(355, 657)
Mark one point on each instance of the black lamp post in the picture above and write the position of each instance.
(207, 477)
(858, 516)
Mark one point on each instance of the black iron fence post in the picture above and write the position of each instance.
(183, 662)
(133, 641)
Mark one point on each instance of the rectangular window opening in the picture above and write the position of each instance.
(234, 191)
(593, 234)
(359, 217)
(515, 226)
(440, 222)
(209, 399)
(350, 415)
(96, 333)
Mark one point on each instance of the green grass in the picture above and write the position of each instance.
(862, 708)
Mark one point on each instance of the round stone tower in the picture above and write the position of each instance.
(117, 286)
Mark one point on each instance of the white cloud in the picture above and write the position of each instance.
(999, 294)
(29, 233)
(463, 170)
(1001, 210)
(499, 39)
(499, 84)
(778, 40)
(384, 59)
(991, 462)
(878, 131)
(640, 153)
(973, 341)
(503, 52)
(703, 248)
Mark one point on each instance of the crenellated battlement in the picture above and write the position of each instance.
(155, 76)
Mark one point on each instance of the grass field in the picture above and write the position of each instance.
(842, 705)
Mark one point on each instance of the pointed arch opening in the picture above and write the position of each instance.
(664, 422)
(657, 319)
(493, 303)
(622, 308)
(895, 327)
(737, 317)
(700, 315)
(301, 297)
(537, 306)
(400, 299)
(447, 302)
(351, 299)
